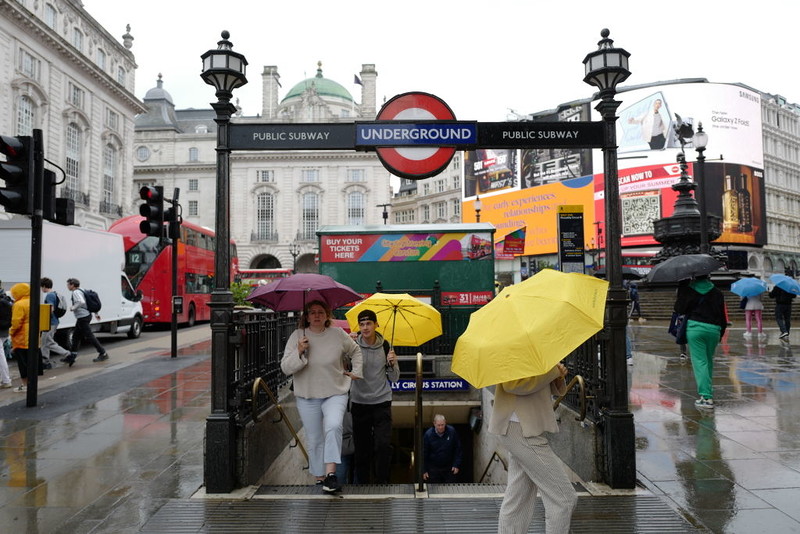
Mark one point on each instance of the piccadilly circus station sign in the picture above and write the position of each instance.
(415, 135)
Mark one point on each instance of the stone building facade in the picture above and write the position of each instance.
(278, 198)
(63, 73)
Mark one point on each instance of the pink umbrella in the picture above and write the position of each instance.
(292, 293)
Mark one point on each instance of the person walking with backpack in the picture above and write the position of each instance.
(48, 342)
(6, 305)
(372, 403)
(82, 329)
(783, 311)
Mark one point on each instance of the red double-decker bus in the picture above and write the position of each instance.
(148, 264)
(252, 277)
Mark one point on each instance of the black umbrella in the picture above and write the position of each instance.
(627, 274)
(683, 268)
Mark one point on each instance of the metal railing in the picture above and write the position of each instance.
(110, 208)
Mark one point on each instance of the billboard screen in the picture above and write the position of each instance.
(648, 150)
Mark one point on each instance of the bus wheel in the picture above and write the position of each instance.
(136, 328)
(191, 319)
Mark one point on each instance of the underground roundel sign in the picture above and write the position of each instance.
(415, 163)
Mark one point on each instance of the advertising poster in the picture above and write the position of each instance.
(406, 247)
(648, 150)
(535, 210)
(490, 171)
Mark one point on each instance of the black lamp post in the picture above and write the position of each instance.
(294, 250)
(385, 212)
(478, 207)
(606, 67)
(225, 70)
(700, 141)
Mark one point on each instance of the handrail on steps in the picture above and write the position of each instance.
(577, 379)
(259, 382)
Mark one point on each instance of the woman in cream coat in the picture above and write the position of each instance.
(523, 412)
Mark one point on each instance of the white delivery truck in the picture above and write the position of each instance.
(94, 257)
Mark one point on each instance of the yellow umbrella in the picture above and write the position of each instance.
(529, 327)
(403, 320)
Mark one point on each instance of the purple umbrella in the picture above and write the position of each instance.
(292, 293)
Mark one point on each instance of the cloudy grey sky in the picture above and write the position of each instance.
(481, 57)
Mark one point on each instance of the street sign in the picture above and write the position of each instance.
(416, 163)
(540, 134)
(462, 135)
(312, 136)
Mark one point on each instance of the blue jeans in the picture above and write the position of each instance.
(783, 316)
(322, 420)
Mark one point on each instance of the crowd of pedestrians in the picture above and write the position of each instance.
(15, 326)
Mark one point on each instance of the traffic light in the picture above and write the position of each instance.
(18, 173)
(152, 210)
(173, 217)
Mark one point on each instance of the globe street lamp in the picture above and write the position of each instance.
(605, 68)
(225, 70)
(478, 207)
(700, 141)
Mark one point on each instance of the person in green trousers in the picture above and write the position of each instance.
(704, 306)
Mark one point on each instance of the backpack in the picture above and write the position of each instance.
(5, 312)
(92, 300)
(60, 307)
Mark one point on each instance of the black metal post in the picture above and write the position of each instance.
(618, 421)
(36, 145)
(700, 180)
(220, 430)
(174, 325)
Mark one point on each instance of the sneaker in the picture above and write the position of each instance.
(705, 403)
(683, 356)
(748, 335)
(20, 389)
(784, 335)
(331, 484)
(6, 385)
(70, 360)
(629, 361)
(101, 358)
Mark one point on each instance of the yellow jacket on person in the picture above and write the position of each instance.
(20, 316)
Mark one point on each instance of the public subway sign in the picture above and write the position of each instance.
(292, 136)
(540, 134)
(432, 384)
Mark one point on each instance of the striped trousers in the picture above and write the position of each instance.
(533, 467)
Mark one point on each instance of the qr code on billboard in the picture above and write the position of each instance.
(638, 213)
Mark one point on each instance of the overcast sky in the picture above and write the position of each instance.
(481, 57)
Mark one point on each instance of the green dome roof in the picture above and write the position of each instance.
(323, 86)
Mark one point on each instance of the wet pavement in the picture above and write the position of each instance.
(119, 447)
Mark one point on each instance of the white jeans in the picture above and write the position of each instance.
(534, 468)
(322, 419)
(5, 377)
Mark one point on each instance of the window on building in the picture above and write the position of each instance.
(441, 209)
(265, 216)
(50, 16)
(142, 153)
(309, 175)
(201, 129)
(122, 76)
(456, 163)
(24, 115)
(193, 208)
(101, 58)
(109, 173)
(426, 189)
(426, 213)
(355, 208)
(265, 175)
(76, 95)
(194, 184)
(310, 217)
(193, 154)
(77, 39)
(112, 119)
(355, 175)
(73, 153)
(29, 65)
(456, 207)
(440, 186)
(456, 181)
